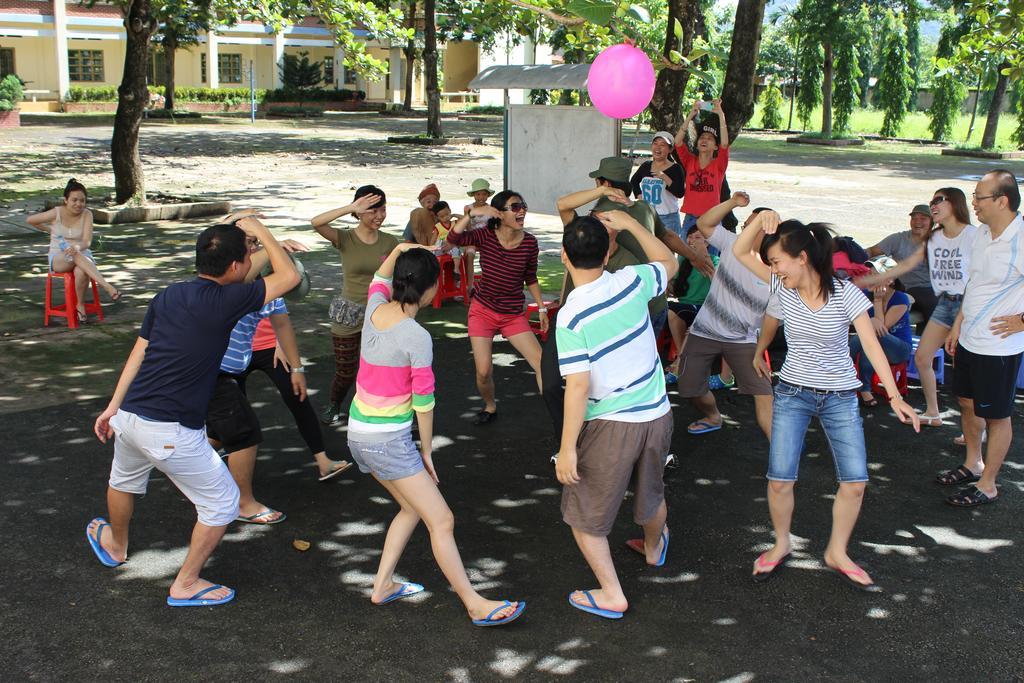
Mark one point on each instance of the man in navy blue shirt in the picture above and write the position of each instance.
(158, 410)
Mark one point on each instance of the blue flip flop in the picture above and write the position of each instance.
(664, 550)
(489, 620)
(703, 428)
(593, 608)
(198, 601)
(101, 554)
(405, 591)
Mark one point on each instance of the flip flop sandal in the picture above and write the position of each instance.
(847, 576)
(703, 427)
(930, 420)
(341, 467)
(961, 475)
(404, 591)
(773, 567)
(257, 518)
(869, 402)
(970, 497)
(592, 608)
(489, 620)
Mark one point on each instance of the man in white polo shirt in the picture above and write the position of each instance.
(986, 337)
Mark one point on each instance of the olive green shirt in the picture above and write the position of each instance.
(359, 261)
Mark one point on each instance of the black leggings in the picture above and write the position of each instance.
(552, 385)
(302, 411)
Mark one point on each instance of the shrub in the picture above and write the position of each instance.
(771, 107)
(11, 92)
(319, 95)
(895, 80)
(486, 109)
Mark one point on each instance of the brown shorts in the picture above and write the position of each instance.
(698, 356)
(609, 452)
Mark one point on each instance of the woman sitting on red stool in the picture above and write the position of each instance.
(70, 228)
(890, 316)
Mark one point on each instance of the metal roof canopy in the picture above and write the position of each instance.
(532, 77)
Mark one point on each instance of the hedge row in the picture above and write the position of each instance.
(108, 93)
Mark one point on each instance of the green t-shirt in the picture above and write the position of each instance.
(643, 214)
(359, 261)
(697, 286)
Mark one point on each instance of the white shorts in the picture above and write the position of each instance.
(183, 454)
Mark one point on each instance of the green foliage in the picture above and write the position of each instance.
(846, 83)
(948, 88)
(894, 82)
(771, 107)
(94, 93)
(300, 75)
(491, 109)
(998, 31)
(11, 92)
(810, 60)
(777, 54)
(912, 19)
(1018, 134)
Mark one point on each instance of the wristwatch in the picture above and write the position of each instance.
(299, 369)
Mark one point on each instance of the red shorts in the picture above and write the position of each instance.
(483, 322)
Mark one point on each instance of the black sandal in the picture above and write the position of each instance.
(485, 417)
(970, 497)
(961, 475)
(869, 402)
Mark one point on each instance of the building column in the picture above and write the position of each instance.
(60, 26)
(339, 68)
(278, 60)
(396, 62)
(212, 72)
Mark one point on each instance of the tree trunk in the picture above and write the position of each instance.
(826, 93)
(430, 66)
(796, 79)
(410, 56)
(974, 109)
(988, 138)
(170, 49)
(132, 97)
(666, 104)
(738, 92)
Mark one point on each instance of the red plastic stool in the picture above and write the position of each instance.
(899, 373)
(667, 346)
(535, 324)
(446, 286)
(68, 310)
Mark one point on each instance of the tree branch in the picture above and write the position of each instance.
(550, 14)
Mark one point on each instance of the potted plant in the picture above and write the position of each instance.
(11, 92)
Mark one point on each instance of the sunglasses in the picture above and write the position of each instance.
(936, 201)
(516, 207)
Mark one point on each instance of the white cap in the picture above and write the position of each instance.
(666, 136)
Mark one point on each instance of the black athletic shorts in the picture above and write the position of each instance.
(990, 381)
(230, 419)
(688, 312)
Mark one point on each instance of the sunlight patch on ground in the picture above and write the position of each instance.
(152, 564)
(509, 503)
(887, 549)
(685, 577)
(359, 529)
(288, 666)
(878, 613)
(944, 535)
(509, 663)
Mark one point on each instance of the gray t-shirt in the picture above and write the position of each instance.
(901, 245)
(735, 305)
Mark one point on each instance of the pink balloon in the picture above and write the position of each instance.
(621, 81)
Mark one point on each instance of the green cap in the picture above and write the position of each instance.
(616, 169)
(922, 209)
(478, 185)
(300, 290)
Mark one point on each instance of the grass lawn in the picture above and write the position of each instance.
(869, 121)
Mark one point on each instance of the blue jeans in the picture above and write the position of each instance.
(839, 415)
(896, 351)
(672, 222)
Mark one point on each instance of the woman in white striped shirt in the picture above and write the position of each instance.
(818, 379)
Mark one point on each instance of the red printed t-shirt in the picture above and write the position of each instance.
(703, 185)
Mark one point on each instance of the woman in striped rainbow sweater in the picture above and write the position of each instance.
(396, 381)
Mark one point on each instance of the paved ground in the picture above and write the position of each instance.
(949, 607)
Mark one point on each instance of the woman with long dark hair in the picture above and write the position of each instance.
(70, 228)
(395, 382)
(818, 379)
(947, 252)
(508, 261)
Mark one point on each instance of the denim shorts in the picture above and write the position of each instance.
(945, 311)
(839, 415)
(394, 457)
(673, 222)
